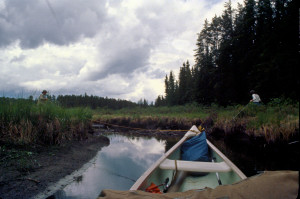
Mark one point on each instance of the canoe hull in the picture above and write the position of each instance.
(181, 179)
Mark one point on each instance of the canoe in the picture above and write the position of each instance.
(171, 174)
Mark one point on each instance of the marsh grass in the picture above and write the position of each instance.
(22, 121)
(151, 118)
(187, 111)
(273, 121)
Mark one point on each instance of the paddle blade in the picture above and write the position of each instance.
(153, 188)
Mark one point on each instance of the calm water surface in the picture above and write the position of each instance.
(121, 163)
(116, 166)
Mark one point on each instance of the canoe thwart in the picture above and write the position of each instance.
(194, 166)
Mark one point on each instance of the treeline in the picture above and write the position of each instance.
(253, 47)
(93, 102)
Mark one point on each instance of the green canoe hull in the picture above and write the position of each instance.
(181, 178)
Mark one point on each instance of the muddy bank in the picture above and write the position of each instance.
(45, 166)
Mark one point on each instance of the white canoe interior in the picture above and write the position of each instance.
(222, 169)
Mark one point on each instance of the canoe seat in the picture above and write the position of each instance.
(195, 166)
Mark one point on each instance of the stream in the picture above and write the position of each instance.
(116, 166)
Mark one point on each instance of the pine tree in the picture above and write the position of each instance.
(170, 89)
(185, 84)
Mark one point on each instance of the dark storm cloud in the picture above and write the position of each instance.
(61, 22)
(52, 12)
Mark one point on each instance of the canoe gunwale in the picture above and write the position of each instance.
(139, 183)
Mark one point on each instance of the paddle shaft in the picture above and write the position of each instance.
(240, 112)
(217, 174)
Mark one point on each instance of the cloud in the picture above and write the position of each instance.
(134, 32)
(61, 22)
(122, 61)
(120, 49)
(18, 58)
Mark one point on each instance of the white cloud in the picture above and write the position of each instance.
(120, 49)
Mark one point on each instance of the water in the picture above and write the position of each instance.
(120, 164)
(116, 166)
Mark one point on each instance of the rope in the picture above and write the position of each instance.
(174, 173)
(240, 112)
(141, 128)
(200, 128)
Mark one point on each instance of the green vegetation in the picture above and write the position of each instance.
(187, 111)
(25, 124)
(22, 121)
(277, 119)
(270, 121)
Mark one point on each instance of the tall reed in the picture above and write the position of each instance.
(23, 121)
(274, 120)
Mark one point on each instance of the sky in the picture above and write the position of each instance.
(109, 48)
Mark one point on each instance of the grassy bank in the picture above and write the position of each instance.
(278, 119)
(22, 121)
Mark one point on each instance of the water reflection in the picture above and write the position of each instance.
(117, 166)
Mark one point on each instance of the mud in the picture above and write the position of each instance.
(47, 166)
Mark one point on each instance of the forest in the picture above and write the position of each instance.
(92, 101)
(252, 47)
